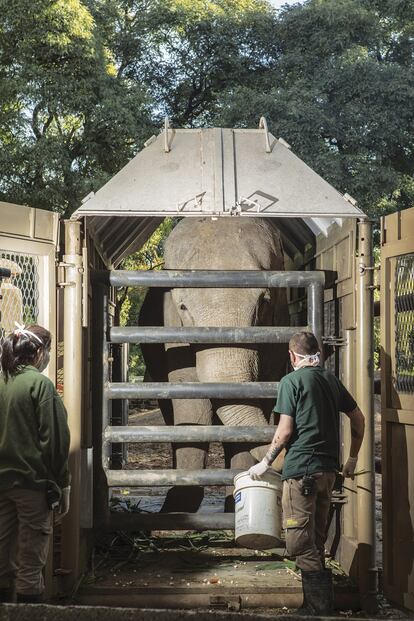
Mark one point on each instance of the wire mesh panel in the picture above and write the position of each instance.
(19, 299)
(404, 323)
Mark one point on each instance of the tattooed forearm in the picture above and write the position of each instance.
(275, 448)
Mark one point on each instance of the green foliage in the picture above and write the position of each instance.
(66, 123)
(340, 94)
(84, 82)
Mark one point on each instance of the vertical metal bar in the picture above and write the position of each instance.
(125, 402)
(72, 392)
(367, 570)
(98, 328)
(106, 417)
(348, 522)
(315, 311)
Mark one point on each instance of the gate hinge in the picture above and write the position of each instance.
(61, 282)
(82, 268)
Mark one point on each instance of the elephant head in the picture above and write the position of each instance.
(230, 244)
(216, 244)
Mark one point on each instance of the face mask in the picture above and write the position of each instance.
(313, 359)
(44, 361)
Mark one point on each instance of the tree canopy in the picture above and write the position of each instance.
(84, 83)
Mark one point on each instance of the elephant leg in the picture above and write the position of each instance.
(239, 455)
(188, 456)
(152, 314)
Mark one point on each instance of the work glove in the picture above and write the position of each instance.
(349, 468)
(64, 503)
(256, 471)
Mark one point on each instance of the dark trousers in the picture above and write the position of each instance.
(25, 530)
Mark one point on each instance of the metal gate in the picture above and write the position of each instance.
(312, 281)
(397, 404)
(28, 241)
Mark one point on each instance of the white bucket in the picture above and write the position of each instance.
(258, 510)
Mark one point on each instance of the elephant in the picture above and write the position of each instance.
(224, 243)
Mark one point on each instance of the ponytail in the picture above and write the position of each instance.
(22, 347)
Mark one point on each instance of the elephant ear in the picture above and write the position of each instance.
(155, 358)
(278, 353)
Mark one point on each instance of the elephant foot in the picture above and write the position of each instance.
(183, 499)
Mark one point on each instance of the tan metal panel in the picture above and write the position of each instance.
(25, 222)
(45, 256)
(397, 411)
(218, 172)
(335, 251)
(46, 225)
(155, 182)
(398, 501)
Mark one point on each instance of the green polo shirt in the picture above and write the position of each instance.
(34, 434)
(313, 396)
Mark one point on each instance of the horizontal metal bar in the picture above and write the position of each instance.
(191, 390)
(189, 433)
(161, 478)
(208, 278)
(171, 521)
(264, 334)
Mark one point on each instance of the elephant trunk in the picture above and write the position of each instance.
(232, 364)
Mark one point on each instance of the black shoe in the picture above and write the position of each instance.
(7, 596)
(30, 598)
(317, 593)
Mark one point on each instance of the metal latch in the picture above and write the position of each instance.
(61, 282)
(334, 341)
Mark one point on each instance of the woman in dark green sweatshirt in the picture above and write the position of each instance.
(34, 474)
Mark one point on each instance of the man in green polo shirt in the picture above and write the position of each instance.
(309, 401)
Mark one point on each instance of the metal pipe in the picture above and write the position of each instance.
(72, 373)
(349, 381)
(191, 390)
(265, 334)
(106, 417)
(171, 521)
(208, 278)
(367, 570)
(189, 433)
(161, 478)
(315, 311)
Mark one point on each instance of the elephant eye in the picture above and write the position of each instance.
(183, 307)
